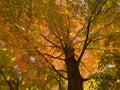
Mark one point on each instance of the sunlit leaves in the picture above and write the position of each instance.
(105, 81)
(37, 33)
(7, 70)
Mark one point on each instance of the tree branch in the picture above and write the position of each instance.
(86, 41)
(86, 68)
(50, 41)
(51, 64)
(59, 36)
(54, 57)
(99, 10)
(62, 71)
(59, 73)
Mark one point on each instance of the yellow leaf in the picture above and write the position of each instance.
(27, 89)
(23, 83)
(8, 77)
(4, 49)
(13, 58)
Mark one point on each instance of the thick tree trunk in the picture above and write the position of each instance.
(75, 80)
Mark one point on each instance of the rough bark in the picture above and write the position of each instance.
(75, 81)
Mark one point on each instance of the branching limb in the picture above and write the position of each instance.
(99, 10)
(42, 55)
(51, 64)
(59, 73)
(50, 41)
(78, 42)
(86, 68)
(86, 41)
(54, 56)
(59, 36)
(78, 32)
(62, 71)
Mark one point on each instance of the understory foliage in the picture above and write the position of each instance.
(59, 44)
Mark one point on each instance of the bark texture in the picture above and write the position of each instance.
(75, 80)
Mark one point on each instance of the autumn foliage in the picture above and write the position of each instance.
(59, 44)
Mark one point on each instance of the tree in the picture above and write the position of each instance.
(63, 31)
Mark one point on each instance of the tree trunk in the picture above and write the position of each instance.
(75, 80)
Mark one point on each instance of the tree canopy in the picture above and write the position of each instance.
(59, 44)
